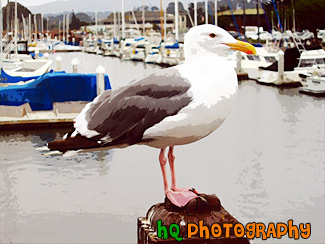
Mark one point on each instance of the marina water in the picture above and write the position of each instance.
(266, 163)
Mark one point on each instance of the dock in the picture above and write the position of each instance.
(37, 121)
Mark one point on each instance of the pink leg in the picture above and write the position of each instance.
(171, 159)
(163, 161)
(179, 197)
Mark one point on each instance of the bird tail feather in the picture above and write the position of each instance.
(72, 143)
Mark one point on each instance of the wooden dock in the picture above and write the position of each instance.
(22, 117)
(242, 76)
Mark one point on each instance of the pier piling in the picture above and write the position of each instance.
(58, 61)
(74, 63)
(206, 208)
(281, 66)
(100, 79)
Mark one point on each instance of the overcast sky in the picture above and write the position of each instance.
(28, 2)
(127, 2)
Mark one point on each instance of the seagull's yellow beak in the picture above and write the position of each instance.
(243, 47)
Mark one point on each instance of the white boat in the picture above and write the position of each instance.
(251, 64)
(128, 48)
(62, 47)
(152, 54)
(172, 53)
(309, 61)
(139, 52)
(152, 49)
(315, 85)
(30, 68)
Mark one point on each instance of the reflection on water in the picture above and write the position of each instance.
(266, 163)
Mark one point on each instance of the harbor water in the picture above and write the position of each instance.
(266, 163)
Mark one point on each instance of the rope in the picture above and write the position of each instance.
(233, 16)
(277, 15)
(267, 21)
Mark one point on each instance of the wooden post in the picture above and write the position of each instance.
(205, 207)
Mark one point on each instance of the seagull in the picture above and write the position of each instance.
(170, 107)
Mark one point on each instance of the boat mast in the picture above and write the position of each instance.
(96, 25)
(206, 12)
(244, 12)
(258, 20)
(161, 19)
(285, 21)
(165, 24)
(30, 28)
(119, 25)
(1, 30)
(42, 26)
(293, 17)
(63, 28)
(123, 20)
(216, 12)
(176, 20)
(59, 30)
(67, 22)
(114, 15)
(195, 13)
(16, 26)
(8, 13)
(143, 19)
(35, 26)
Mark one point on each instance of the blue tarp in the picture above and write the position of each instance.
(50, 88)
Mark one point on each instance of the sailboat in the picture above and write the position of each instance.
(171, 50)
(26, 69)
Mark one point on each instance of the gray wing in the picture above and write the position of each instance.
(126, 113)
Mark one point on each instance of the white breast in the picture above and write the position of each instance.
(213, 88)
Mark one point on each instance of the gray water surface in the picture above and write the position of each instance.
(266, 164)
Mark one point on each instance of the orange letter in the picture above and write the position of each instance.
(191, 233)
(250, 230)
(241, 233)
(271, 230)
(205, 229)
(213, 232)
(260, 228)
(294, 229)
(227, 227)
(305, 232)
(280, 232)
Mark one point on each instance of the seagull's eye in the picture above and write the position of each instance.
(212, 35)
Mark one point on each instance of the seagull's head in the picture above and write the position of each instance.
(208, 39)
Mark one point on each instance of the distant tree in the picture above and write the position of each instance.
(310, 14)
(171, 7)
(75, 22)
